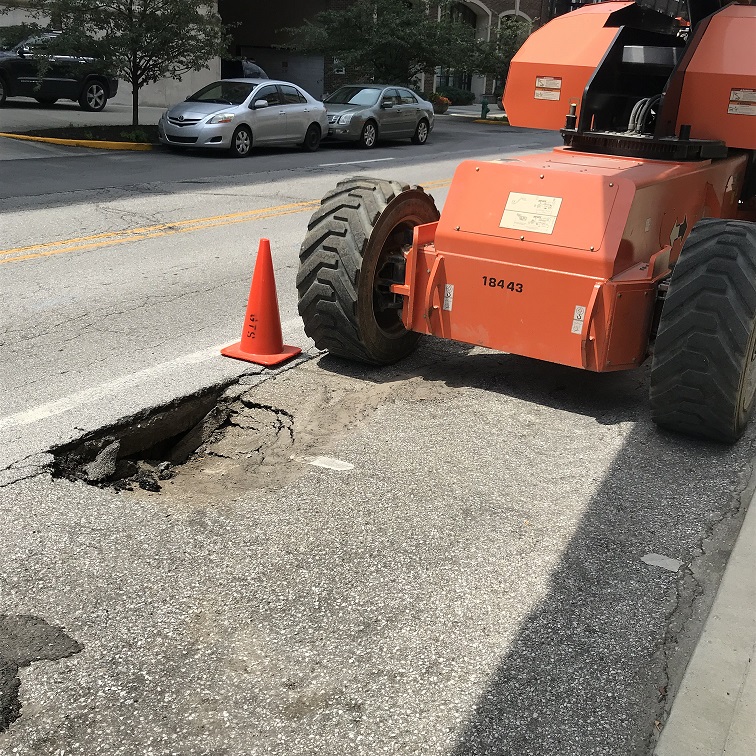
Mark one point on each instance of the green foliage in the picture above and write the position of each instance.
(142, 41)
(494, 56)
(456, 95)
(12, 35)
(135, 135)
(387, 41)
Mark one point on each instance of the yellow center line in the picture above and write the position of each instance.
(112, 238)
(245, 215)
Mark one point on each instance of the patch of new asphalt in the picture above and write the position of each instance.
(474, 585)
(25, 639)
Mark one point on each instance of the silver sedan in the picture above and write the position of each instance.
(369, 112)
(237, 114)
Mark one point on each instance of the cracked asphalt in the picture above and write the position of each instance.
(472, 583)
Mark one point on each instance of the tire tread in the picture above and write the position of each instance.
(331, 262)
(706, 324)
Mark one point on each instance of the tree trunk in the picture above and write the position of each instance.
(134, 106)
(134, 91)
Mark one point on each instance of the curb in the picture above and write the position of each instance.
(502, 119)
(99, 145)
(712, 712)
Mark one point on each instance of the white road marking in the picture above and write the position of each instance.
(354, 162)
(117, 386)
(67, 403)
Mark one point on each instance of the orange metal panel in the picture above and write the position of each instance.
(718, 98)
(555, 256)
(629, 324)
(541, 85)
(497, 305)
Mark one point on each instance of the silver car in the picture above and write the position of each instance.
(369, 112)
(237, 114)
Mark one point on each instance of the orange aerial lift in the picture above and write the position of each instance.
(636, 238)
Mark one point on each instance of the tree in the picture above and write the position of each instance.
(141, 40)
(12, 35)
(390, 41)
(493, 57)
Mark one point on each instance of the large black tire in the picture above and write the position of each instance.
(703, 374)
(343, 300)
(94, 96)
(3, 91)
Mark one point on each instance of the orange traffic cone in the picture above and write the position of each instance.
(261, 340)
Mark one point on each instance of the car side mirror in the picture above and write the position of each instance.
(24, 51)
(387, 103)
(257, 104)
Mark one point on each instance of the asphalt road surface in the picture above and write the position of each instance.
(468, 553)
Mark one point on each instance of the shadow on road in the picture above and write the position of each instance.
(593, 665)
(32, 105)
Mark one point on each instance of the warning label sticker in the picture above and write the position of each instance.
(578, 319)
(448, 296)
(548, 87)
(743, 95)
(530, 212)
(742, 108)
(548, 82)
(742, 102)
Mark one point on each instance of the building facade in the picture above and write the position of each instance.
(258, 34)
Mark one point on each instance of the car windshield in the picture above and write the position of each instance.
(354, 96)
(32, 42)
(224, 93)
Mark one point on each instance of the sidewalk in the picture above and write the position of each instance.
(20, 115)
(474, 111)
(714, 712)
(27, 115)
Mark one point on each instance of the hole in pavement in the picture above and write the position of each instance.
(207, 446)
(147, 450)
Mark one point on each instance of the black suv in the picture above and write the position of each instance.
(35, 68)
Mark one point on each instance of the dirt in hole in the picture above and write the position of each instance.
(251, 437)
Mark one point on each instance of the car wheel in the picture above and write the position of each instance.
(2, 91)
(94, 97)
(369, 135)
(421, 132)
(241, 142)
(46, 100)
(312, 138)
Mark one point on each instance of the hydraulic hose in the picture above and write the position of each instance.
(645, 112)
(634, 114)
